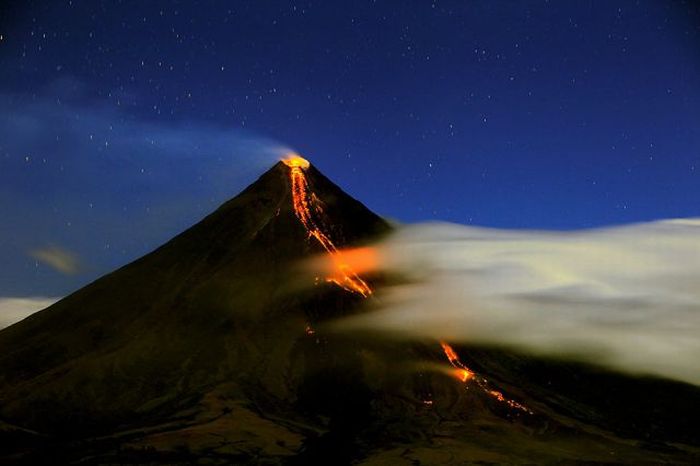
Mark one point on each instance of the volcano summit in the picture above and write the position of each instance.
(214, 348)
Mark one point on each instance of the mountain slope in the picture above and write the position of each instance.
(214, 347)
(169, 321)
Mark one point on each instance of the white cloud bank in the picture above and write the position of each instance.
(15, 309)
(625, 297)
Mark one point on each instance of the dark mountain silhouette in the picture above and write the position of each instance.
(213, 348)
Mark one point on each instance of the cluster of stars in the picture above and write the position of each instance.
(538, 115)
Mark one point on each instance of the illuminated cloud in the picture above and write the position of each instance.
(625, 297)
(59, 259)
(15, 309)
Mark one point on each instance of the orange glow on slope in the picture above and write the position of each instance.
(359, 260)
(464, 374)
(305, 204)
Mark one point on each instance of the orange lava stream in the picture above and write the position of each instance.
(464, 374)
(305, 203)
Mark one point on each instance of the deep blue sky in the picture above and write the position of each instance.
(124, 122)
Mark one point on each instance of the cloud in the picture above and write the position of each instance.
(625, 297)
(59, 259)
(15, 309)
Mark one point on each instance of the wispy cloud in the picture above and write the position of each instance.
(15, 309)
(59, 259)
(625, 297)
(92, 177)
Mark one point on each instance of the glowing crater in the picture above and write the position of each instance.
(294, 160)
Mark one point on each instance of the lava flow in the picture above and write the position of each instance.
(305, 205)
(464, 374)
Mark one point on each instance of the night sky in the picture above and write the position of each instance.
(123, 123)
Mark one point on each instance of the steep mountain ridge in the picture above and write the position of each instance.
(177, 305)
(213, 347)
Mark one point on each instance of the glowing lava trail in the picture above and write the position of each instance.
(462, 372)
(465, 374)
(305, 205)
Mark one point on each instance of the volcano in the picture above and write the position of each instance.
(215, 348)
